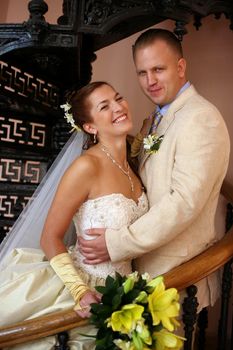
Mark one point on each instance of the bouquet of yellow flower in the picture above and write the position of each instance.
(136, 313)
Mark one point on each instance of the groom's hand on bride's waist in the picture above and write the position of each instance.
(94, 247)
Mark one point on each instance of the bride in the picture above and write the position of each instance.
(98, 189)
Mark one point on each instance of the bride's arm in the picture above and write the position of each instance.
(72, 191)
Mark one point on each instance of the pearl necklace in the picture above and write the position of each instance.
(126, 172)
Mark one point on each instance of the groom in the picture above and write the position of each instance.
(183, 178)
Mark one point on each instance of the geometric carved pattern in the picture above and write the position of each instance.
(26, 85)
(25, 138)
(22, 132)
(21, 171)
(8, 203)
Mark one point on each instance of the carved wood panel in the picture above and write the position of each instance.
(29, 118)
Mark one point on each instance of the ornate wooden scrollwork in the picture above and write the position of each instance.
(85, 26)
(103, 17)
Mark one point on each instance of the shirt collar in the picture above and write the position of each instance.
(164, 109)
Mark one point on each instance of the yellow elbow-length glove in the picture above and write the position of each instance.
(65, 269)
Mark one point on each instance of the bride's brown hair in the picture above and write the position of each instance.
(80, 106)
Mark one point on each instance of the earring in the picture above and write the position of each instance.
(95, 138)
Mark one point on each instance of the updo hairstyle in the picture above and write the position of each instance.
(80, 106)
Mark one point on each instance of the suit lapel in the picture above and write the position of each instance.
(168, 119)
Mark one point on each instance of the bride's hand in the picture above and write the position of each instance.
(85, 303)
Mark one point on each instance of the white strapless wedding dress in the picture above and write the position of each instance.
(29, 287)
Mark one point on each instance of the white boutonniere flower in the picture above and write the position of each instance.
(151, 143)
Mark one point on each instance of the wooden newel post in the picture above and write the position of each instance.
(189, 318)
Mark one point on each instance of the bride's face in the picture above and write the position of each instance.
(109, 112)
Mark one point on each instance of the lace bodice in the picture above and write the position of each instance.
(110, 211)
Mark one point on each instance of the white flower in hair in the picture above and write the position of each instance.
(69, 117)
(66, 107)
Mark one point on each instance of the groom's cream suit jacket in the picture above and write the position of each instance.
(183, 180)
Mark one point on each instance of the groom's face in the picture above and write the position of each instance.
(160, 71)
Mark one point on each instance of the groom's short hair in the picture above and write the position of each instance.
(151, 35)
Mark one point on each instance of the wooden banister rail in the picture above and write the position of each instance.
(39, 327)
(201, 265)
(180, 277)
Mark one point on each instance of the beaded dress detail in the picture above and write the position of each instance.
(110, 211)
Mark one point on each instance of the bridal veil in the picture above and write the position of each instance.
(26, 231)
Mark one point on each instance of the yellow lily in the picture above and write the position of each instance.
(154, 282)
(126, 345)
(163, 305)
(128, 285)
(123, 345)
(143, 332)
(165, 340)
(137, 341)
(125, 320)
(141, 298)
(130, 281)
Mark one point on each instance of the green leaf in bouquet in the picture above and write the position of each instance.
(100, 289)
(111, 286)
(104, 340)
(100, 313)
(131, 296)
(94, 319)
(96, 308)
(116, 301)
(111, 283)
(141, 282)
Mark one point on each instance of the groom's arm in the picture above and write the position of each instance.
(202, 151)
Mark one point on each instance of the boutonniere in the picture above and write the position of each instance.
(151, 143)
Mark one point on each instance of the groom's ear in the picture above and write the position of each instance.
(89, 128)
(181, 67)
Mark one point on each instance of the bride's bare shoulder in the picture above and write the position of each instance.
(86, 164)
